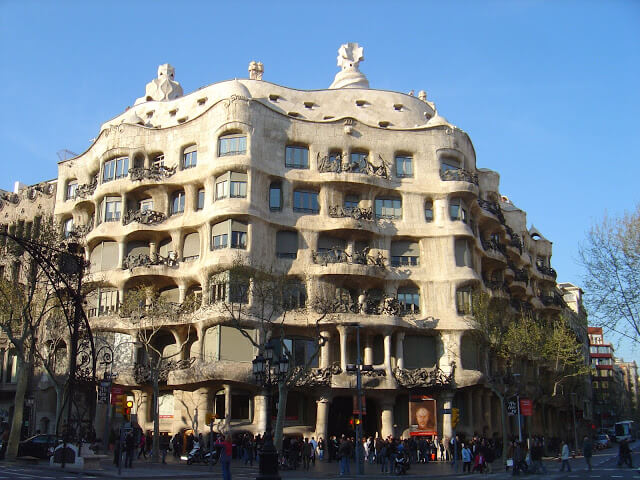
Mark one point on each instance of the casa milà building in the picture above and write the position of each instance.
(365, 193)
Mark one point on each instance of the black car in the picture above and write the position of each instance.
(39, 446)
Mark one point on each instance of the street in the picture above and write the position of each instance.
(604, 467)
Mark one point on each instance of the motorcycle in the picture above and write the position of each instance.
(199, 455)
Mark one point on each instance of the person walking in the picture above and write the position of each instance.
(466, 459)
(344, 454)
(587, 451)
(226, 453)
(518, 458)
(129, 447)
(624, 454)
(306, 454)
(564, 456)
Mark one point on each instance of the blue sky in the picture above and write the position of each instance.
(548, 91)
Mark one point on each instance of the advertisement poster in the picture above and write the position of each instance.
(422, 415)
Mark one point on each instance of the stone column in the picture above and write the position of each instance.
(153, 250)
(182, 293)
(387, 418)
(368, 349)
(446, 399)
(400, 349)
(450, 353)
(343, 347)
(477, 411)
(325, 350)
(468, 398)
(488, 412)
(260, 412)
(387, 353)
(322, 417)
(124, 207)
(122, 251)
(227, 404)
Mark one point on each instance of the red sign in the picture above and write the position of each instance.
(116, 392)
(355, 405)
(526, 407)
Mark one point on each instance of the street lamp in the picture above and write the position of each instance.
(517, 378)
(268, 371)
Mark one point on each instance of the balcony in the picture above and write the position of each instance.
(492, 207)
(458, 175)
(493, 245)
(337, 255)
(145, 217)
(343, 164)
(155, 172)
(357, 213)
(546, 270)
(144, 260)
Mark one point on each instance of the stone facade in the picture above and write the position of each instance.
(368, 194)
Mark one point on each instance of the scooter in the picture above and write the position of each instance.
(402, 464)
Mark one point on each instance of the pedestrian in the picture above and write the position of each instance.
(344, 454)
(536, 457)
(321, 447)
(564, 456)
(314, 450)
(466, 458)
(248, 449)
(129, 447)
(307, 450)
(226, 452)
(624, 454)
(177, 445)
(518, 458)
(142, 444)
(587, 451)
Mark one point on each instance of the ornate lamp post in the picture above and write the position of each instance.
(269, 371)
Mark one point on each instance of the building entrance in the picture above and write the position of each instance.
(341, 414)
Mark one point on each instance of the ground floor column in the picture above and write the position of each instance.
(343, 347)
(322, 417)
(477, 411)
(325, 350)
(261, 411)
(446, 400)
(227, 405)
(387, 418)
(488, 413)
(468, 405)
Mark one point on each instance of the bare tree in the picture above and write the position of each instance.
(262, 298)
(150, 314)
(611, 258)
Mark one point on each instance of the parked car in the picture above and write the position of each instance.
(39, 446)
(602, 441)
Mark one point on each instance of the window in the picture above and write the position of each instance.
(409, 299)
(218, 292)
(233, 229)
(294, 296)
(286, 244)
(428, 211)
(463, 253)
(296, 157)
(275, 196)
(200, 204)
(68, 227)
(404, 166)
(177, 203)
(145, 205)
(158, 161)
(304, 201)
(388, 208)
(463, 301)
(190, 157)
(191, 247)
(232, 145)
(405, 253)
(458, 210)
(236, 180)
(114, 169)
(112, 209)
(358, 162)
(449, 163)
(72, 186)
(351, 202)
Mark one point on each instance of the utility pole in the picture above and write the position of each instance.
(359, 448)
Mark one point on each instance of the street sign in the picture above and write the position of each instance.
(116, 392)
(512, 408)
(103, 392)
(446, 410)
(526, 407)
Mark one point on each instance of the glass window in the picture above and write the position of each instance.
(114, 169)
(463, 301)
(200, 199)
(358, 162)
(388, 208)
(220, 241)
(72, 186)
(238, 189)
(449, 163)
(68, 227)
(458, 210)
(405, 253)
(275, 196)
(158, 161)
(297, 157)
(286, 244)
(112, 209)
(404, 166)
(145, 205)
(428, 211)
(409, 299)
(351, 202)
(177, 203)
(304, 201)
(463, 253)
(222, 189)
(189, 157)
(239, 240)
(232, 145)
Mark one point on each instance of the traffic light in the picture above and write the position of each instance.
(351, 422)
(455, 417)
(126, 406)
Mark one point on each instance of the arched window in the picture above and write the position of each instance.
(388, 207)
(275, 196)
(404, 166)
(405, 253)
(458, 210)
(296, 157)
(72, 186)
(463, 254)
(232, 144)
